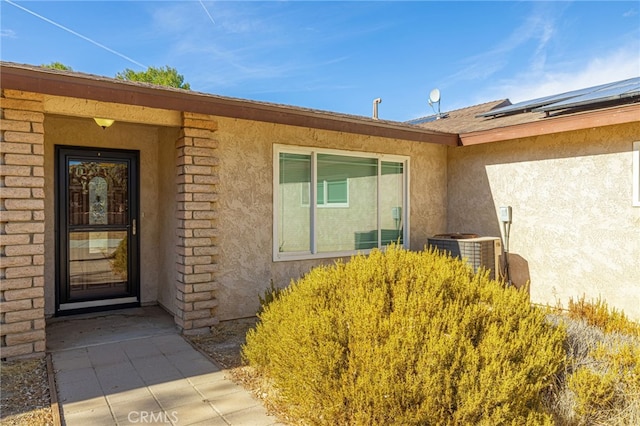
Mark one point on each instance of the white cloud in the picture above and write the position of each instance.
(8, 33)
(223, 45)
(619, 65)
(541, 76)
(538, 27)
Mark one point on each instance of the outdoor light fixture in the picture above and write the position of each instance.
(104, 122)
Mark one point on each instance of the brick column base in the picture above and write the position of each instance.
(197, 180)
(22, 320)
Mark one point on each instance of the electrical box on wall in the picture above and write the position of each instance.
(505, 214)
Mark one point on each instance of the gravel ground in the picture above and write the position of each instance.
(25, 398)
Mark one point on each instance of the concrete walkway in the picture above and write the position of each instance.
(133, 367)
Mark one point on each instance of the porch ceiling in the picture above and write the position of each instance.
(88, 108)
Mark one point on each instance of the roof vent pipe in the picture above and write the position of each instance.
(375, 107)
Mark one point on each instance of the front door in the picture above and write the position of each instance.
(97, 230)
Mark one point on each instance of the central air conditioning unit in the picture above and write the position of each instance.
(479, 252)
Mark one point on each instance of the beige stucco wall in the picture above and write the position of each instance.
(156, 201)
(575, 231)
(167, 218)
(246, 203)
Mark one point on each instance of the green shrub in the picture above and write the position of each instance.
(404, 338)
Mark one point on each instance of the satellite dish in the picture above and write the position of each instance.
(434, 96)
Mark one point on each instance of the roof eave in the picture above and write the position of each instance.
(109, 90)
(580, 121)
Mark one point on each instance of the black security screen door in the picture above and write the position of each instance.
(97, 241)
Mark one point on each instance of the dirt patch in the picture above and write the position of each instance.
(25, 398)
(224, 343)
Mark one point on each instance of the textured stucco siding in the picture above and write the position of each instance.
(575, 231)
(154, 203)
(246, 263)
(166, 237)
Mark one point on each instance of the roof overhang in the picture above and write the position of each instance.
(103, 89)
(578, 121)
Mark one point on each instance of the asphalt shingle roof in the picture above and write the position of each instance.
(471, 119)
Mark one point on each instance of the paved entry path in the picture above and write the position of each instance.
(133, 367)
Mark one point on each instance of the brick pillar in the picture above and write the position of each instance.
(22, 319)
(197, 179)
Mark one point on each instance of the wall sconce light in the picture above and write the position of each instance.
(104, 122)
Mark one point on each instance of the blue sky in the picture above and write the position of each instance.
(339, 56)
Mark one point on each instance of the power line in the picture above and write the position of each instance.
(102, 46)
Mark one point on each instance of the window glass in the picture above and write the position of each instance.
(293, 210)
(337, 228)
(334, 203)
(97, 193)
(391, 196)
(333, 193)
(98, 264)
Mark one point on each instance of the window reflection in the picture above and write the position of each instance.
(97, 264)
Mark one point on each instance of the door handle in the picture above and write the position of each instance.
(133, 227)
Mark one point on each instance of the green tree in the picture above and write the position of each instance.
(164, 76)
(57, 66)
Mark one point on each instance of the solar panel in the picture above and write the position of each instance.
(522, 106)
(539, 103)
(624, 89)
(427, 119)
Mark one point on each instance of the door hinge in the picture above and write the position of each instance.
(133, 227)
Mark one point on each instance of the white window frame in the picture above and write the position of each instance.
(636, 174)
(312, 252)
